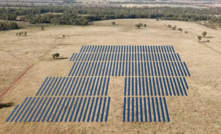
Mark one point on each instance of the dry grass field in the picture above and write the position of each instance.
(161, 5)
(197, 113)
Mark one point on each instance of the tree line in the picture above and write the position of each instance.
(5, 25)
(80, 15)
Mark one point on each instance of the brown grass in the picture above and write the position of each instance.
(197, 113)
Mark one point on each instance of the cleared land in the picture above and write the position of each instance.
(199, 112)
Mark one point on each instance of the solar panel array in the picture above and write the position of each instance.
(81, 86)
(83, 95)
(56, 109)
(147, 86)
(145, 109)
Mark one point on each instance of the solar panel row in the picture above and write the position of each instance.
(129, 69)
(125, 57)
(93, 48)
(71, 109)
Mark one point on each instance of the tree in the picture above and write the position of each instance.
(22, 18)
(199, 38)
(113, 23)
(169, 26)
(137, 25)
(25, 33)
(145, 25)
(141, 24)
(180, 29)
(42, 28)
(174, 28)
(5, 25)
(204, 33)
(2, 105)
(63, 36)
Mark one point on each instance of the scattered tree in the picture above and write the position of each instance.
(113, 23)
(199, 38)
(174, 28)
(137, 25)
(169, 26)
(145, 25)
(180, 29)
(186, 32)
(63, 36)
(204, 33)
(55, 55)
(141, 24)
(25, 33)
(42, 28)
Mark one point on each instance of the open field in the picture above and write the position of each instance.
(161, 5)
(197, 113)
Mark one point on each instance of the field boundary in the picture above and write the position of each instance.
(13, 84)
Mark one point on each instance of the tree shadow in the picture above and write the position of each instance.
(208, 37)
(206, 41)
(3, 105)
(61, 58)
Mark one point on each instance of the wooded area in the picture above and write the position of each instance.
(83, 15)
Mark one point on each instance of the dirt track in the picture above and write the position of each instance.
(199, 112)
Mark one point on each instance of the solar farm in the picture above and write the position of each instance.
(111, 79)
(151, 73)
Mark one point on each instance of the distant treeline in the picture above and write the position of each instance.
(83, 15)
(4, 25)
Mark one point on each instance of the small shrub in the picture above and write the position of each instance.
(199, 38)
(204, 33)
